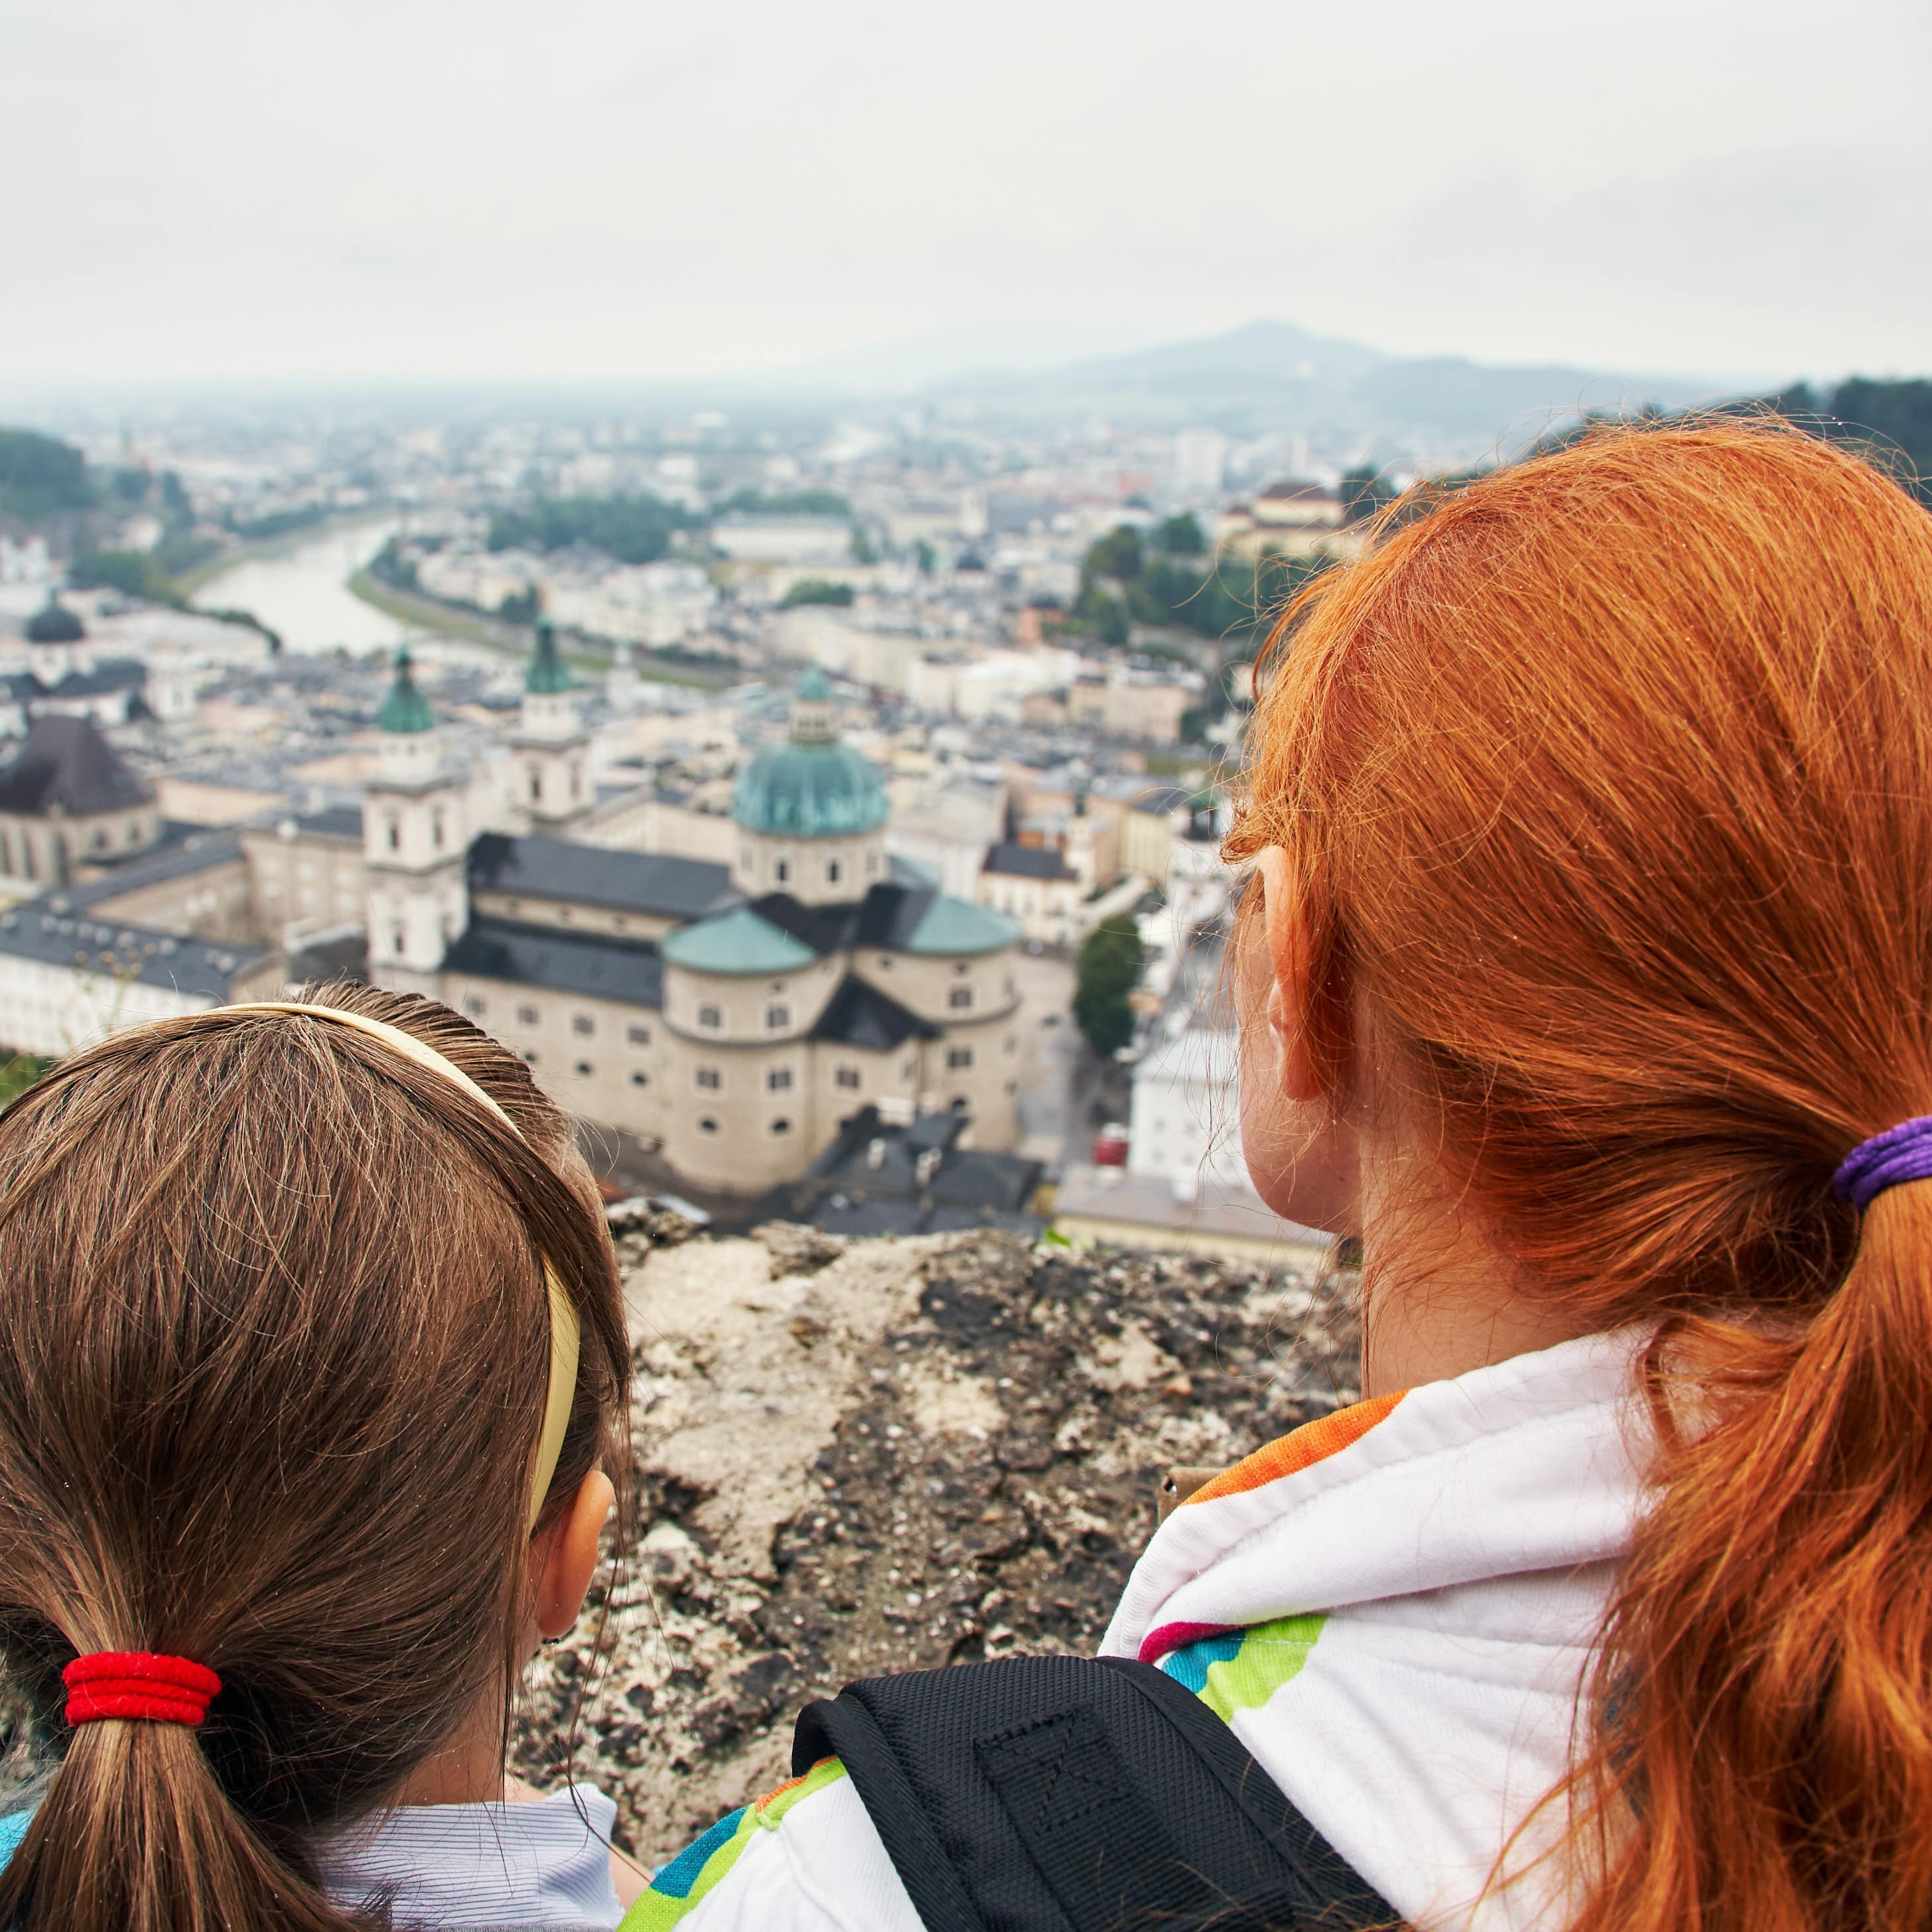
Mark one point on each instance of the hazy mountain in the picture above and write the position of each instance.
(1276, 375)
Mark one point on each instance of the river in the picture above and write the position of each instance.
(303, 594)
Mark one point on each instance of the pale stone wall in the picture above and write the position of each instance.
(574, 916)
(304, 883)
(814, 871)
(216, 903)
(49, 851)
(50, 1010)
(601, 1060)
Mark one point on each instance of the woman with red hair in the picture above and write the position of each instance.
(1587, 974)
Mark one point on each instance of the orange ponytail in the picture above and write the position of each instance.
(1609, 781)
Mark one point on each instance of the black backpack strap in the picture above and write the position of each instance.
(1075, 1794)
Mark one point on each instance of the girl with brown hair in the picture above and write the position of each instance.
(1587, 973)
(313, 1365)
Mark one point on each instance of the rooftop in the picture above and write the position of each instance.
(652, 882)
(737, 942)
(405, 709)
(858, 1015)
(629, 970)
(65, 765)
(205, 968)
(1028, 861)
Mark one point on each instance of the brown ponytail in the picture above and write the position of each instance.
(274, 1349)
(1608, 780)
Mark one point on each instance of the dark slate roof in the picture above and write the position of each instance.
(54, 623)
(334, 821)
(205, 968)
(629, 970)
(107, 674)
(644, 882)
(1027, 862)
(65, 764)
(202, 851)
(887, 917)
(858, 1015)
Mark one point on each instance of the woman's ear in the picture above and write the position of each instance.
(1289, 1004)
(1301, 1155)
(564, 1557)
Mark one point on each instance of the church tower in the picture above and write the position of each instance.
(552, 749)
(415, 844)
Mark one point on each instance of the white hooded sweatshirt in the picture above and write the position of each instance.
(1393, 1608)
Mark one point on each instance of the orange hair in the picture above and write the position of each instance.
(1608, 781)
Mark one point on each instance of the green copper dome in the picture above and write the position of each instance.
(405, 709)
(547, 672)
(812, 787)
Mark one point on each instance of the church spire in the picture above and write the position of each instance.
(405, 709)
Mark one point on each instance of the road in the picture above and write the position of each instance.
(1051, 1054)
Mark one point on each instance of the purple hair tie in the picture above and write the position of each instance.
(1889, 1160)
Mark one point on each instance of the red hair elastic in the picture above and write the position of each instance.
(137, 1683)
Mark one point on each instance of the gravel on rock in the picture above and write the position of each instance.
(854, 1457)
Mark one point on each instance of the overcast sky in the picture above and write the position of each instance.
(587, 188)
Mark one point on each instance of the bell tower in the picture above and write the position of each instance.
(552, 749)
(416, 843)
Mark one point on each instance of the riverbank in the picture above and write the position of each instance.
(266, 549)
(474, 627)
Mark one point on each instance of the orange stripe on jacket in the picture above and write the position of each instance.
(1301, 1448)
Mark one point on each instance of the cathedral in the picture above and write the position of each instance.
(732, 1016)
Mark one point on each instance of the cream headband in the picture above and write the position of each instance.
(565, 1336)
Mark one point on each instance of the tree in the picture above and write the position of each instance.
(1364, 490)
(41, 476)
(1180, 535)
(1108, 970)
(521, 606)
(787, 503)
(816, 590)
(134, 573)
(633, 529)
(1117, 555)
(863, 551)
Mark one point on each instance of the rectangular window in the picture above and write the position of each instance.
(778, 1079)
(638, 1035)
(526, 1016)
(959, 996)
(959, 1056)
(582, 1023)
(473, 1006)
(710, 1016)
(778, 1016)
(847, 1076)
(707, 1079)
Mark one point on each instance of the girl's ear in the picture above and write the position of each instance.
(564, 1557)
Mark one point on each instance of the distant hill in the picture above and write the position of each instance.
(1277, 375)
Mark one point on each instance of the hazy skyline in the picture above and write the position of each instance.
(465, 189)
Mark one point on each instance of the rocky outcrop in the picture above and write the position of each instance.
(890, 1455)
